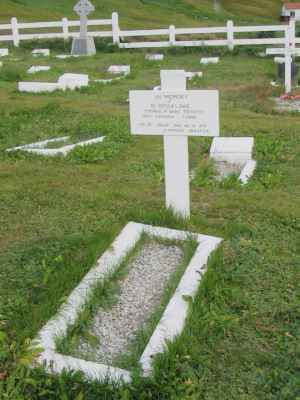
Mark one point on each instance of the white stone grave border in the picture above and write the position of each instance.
(40, 148)
(4, 52)
(65, 82)
(41, 52)
(209, 60)
(168, 328)
(154, 57)
(244, 160)
(38, 68)
(119, 69)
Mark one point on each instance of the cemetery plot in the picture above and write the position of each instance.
(41, 52)
(55, 147)
(149, 274)
(209, 60)
(38, 68)
(233, 155)
(65, 82)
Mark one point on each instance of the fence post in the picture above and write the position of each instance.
(115, 28)
(65, 28)
(292, 39)
(172, 35)
(15, 32)
(230, 35)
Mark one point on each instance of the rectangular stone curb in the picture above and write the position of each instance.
(170, 325)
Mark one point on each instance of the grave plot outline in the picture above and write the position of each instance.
(40, 148)
(169, 327)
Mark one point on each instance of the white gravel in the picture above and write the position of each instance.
(140, 292)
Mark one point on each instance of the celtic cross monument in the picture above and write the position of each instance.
(84, 45)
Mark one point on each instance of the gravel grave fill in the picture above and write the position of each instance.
(141, 292)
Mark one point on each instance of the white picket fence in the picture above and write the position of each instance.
(173, 35)
(64, 26)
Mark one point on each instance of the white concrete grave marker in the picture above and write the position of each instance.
(175, 113)
(288, 52)
(83, 45)
(41, 52)
(209, 60)
(4, 52)
(38, 68)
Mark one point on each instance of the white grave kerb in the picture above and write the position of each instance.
(289, 52)
(175, 113)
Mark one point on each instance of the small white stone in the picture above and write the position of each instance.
(155, 57)
(191, 75)
(41, 52)
(279, 60)
(38, 68)
(209, 60)
(3, 52)
(119, 69)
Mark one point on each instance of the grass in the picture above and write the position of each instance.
(58, 216)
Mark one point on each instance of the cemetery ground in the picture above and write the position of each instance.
(58, 215)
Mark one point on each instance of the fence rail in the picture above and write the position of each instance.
(230, 31)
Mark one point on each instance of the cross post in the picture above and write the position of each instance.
(288, 52)
(175, 113)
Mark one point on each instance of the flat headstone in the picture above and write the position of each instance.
(3, 52)
(41, 52)
(38, 68)
(38, 87)
(279, 60)
(155, 57)
(191, 75)
(73, 81)
(233, 150)
(65, 56)
(209, 60)
(119, 69)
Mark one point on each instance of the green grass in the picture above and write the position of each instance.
(59, 215)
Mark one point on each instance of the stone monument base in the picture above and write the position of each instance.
(83, 47)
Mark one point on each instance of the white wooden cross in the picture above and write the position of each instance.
(175, 113)
(289, 52)
(83, 8)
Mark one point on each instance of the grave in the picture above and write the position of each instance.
(119, 69)
(209, 60)
(169, 327)
(65, 81)
(4, 52)
(73, 81)
(41, 52)
(192, 75)
(175, 113)
(38, 87)
(234, 155)
(288, 70)
(84, 45)
(42, 149)
(65, 56)
(38, 68)
(154, 57)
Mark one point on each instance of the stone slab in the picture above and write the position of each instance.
(41, 52)
(119, 69)
(4, 52)
(154, 57)
(192, 75)
(209, 60)
(38, 87)
(234, 150)
(38, 68)
(73, 81)
(83, 47)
